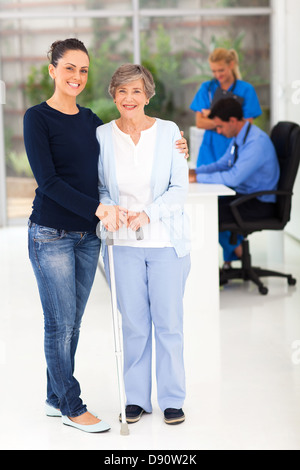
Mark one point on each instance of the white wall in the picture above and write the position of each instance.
(286, 80)
(293, 95)
(2, 160)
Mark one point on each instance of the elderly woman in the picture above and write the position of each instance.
(141, 170)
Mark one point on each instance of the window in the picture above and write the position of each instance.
(172, 38)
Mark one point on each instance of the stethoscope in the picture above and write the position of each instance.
(214, 80)
(234, 147)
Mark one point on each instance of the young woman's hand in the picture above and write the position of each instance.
(182, 146)
(112, 217)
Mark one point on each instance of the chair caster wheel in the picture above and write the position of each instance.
(263, 290)
(291, 281)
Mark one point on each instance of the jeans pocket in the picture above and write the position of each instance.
(47, 234)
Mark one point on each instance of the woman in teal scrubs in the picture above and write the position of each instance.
(227, 81)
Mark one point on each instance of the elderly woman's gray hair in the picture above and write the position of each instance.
(129, 73)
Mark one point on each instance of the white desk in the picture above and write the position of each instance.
(202, 209)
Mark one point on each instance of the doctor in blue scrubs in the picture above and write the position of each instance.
(226, 83)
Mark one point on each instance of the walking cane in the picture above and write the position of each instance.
(118, 345)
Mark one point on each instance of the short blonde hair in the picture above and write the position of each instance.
(128, 73)
(228, 56)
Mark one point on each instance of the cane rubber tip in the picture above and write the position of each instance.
(124, 429)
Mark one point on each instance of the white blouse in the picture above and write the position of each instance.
(134, 168)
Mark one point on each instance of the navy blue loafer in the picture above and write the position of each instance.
(173, 416)
(133, 413)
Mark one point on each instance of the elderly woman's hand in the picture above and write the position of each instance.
(136, 220)
(182, 146)
(112, 217)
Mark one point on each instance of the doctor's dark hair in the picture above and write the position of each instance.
(59, 48)
(226, 108)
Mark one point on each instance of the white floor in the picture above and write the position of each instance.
(242, 366)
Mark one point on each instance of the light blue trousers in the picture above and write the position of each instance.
(150, 286)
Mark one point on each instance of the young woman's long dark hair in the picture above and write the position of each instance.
(59, 48)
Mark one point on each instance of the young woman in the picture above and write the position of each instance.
(61, 144)
(227, 82)
(140, 169)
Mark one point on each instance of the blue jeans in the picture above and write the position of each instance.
(64, 264)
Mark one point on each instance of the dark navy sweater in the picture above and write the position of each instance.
(63, 153)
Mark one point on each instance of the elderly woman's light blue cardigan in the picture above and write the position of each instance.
(169, 182)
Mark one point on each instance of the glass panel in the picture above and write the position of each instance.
(24, 70)
(118, 5)
(64, 5)
(41, 5)
(177, 50)
(192, 4)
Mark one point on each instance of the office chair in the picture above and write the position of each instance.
(286, 139)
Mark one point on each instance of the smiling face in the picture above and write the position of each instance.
(71, 73)
(222, 72)
(131, 99)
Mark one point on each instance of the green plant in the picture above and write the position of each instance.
(18, 164)
(203, 51)
(159, 4)
(205, 74)
(263, 121)
(165, 68)
(164, 65)
(105, 108)
(39, 85)
(244, 3)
